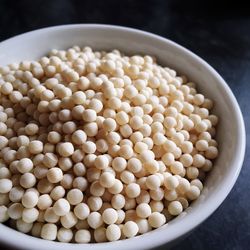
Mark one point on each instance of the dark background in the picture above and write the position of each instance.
(218, 31)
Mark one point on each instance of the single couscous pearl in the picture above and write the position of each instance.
(81, 211)
(5, 186)
(82, 236)
(35, 147)
(175, 208)
(101, 162)
(119, 164)
(95, 220)
(126, 152)
(153, 182)
(130, 229)
(193, 193)
(49, 231)
(65, 149)
(197, 183)
(44, 202)
(30, 199)
(50, 216)
(64, 235)
(113, 232)
(109, 216)
(30, 215)
(171, 182)
(156, 219)
(184, 185)
(96, 189)
(50, 160)
(116, 188)
(16, 194)
(74, 196)
(132, 190)
(57, 193)
(143, 210)
(211, 152)
(24, 165)
(54, 175)
(61, 207)
(107, 180)
(95, 203)
(118, 201)
(68, 220)
(15, 211)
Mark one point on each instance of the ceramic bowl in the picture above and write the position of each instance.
(230, 132)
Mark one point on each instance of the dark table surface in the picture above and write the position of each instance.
(219, 32)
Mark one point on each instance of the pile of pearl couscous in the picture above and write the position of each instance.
(99, 146)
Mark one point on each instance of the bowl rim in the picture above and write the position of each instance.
(17, 239)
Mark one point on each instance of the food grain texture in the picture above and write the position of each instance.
(99, 146)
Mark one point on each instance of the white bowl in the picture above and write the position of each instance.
(230, 133)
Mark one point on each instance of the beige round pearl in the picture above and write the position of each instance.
(74, 196)
(132, 190)
(119, 164)
(95, 203)
(134, 165)
(49, 231)
(65, 149)
(16, 194)
(44, 202)
(107, 179)
(95, 220)
(109, 216)
(116, 188)
(193, 193)
(143, 210)
(54, 175)
(152, 167)
(175, 208)
(35, 147)
(122, 118)
(30, 215)
(5, 186)
(82, 236)
(64, 235)
(156, 219)
(126, 152)
(68, 220)
(61, 207)
(113, 232)
(130, 229)
(57, 192)
(30, 199)
(24, 165)
(153, 182)
(79, 137)
(15, 211)
(96, 189)
(118, 201)
(101, 162)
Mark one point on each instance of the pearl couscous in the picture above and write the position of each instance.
(98, 146)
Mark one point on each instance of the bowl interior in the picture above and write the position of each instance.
(230, 132)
